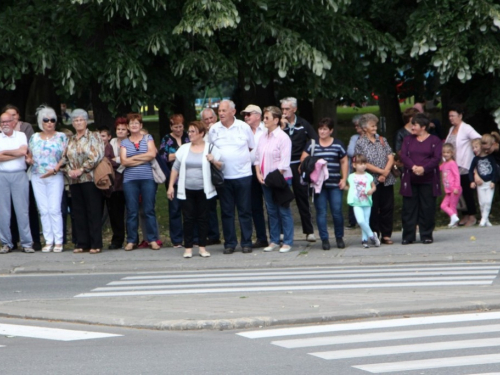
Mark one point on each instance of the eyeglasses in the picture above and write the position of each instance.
(52, 120)
(249, 114)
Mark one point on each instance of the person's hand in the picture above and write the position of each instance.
(478, 180)
(419, 171)
(283, 122)
(455, 191)
(260, 178)
(342, 184)
(492, 185)
(472, 185)
(49, 173)
(170, 193)
(210, 158)
(75, 173)
(381, 178)
(370, 192)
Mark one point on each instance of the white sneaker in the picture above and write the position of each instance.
(285, 249)
(488, 224)
(375, 241)
(482, 223)
(453, 222)
(311, 237)
(271, 247)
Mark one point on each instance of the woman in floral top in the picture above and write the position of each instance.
(168, 147)
(47, 149)
(380, 159)
(84, 152)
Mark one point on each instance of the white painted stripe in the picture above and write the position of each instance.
(404, 349)
(379, 368)
(288, 271)
(280, 288)
(298, 277)
(389, 323)
(385, 336)
(180, 284)
(489, 373)
(50, 333)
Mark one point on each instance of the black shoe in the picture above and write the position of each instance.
(427, 241)
(340, 243)
(258, 244)
(350, 226)
(228, 250)
(246, 250)
(326, 244)
(114, 247)
(213, 241)
(406, 242)
(14, 247)
(37, 246)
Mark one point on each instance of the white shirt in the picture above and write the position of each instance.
(234, 144)
(261, 130)
(16, 140)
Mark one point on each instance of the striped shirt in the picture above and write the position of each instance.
(274, 152)
(140, 172)
(332, 155)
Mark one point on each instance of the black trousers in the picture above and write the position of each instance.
(382, 215)
(34, 223)
(86, 202)
(468, 195)
(302, 198)
(195, 210)
(419, 209)
(259, 222)
(116, 211)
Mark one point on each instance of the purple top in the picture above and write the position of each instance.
(426, 154)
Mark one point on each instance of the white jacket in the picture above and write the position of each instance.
(181, 154)
(463, 152)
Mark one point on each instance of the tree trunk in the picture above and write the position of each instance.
(163, 121)
(19, 96)
(322, 108)
(42, 91)
(390, 112)
(102, 115)
(257, 95)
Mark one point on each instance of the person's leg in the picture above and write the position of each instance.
(386, 211)
(14, 230)
(335, 200)
(148, 193)
(116, 210)
(93, 203)
(302, 198)
(5, 210)
(285, 214)
(446, 204)
(175, 219)
(188, 207)
(272, 216)
(55, 186)
(201, 216)
(488, 201)
(426, 211)
(468, 195)
(213, 220)
(64, 214)
(321, 205)
(375, 212)
(20, 198)
(41, 189)
(132, 191)
(243, 200)
(33, 218)
(352, 218)
(226, 195)
(409, 215)
(363, 221)
(258, 209)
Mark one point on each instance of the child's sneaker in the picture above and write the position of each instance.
(375, 241)
(453, 222)
(365, 244)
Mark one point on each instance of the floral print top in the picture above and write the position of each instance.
(377, 154)
(169, 146)
(47, 153)
(85, 152)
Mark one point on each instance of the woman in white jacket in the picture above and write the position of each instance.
(191, 170)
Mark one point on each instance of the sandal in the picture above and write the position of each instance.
(58, 249)
(95, 251)
(78, 250)
(204, 254)
(154, 246)
(130, 246)
(47, 248)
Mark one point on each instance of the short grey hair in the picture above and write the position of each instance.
(79, 113)
(366, 118)
(355, 120)
(291, 100)
(230, 102)
(207, 109)
(44, 112)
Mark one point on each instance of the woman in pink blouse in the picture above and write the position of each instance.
(274, 153)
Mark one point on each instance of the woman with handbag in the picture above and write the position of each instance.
(136, 153)
(192, 171)
(84, 152)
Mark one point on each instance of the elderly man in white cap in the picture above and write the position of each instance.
(252, 115)
(14, 184)
(235, 140)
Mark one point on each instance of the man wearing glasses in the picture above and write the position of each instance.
(300, 132)
(14, 184)
(252, 115)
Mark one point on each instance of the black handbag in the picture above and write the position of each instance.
(215, 173)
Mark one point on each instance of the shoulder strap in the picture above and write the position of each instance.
(313, 146)
(210, 147)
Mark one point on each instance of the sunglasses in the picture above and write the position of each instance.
(52, 120)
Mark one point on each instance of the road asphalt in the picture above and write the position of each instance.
(262, 309)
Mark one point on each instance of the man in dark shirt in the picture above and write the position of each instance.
(300, 132)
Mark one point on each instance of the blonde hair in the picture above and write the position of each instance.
(491, 138)
(476, 141)
(450, 147)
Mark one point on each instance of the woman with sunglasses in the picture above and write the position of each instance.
(84, 153)
(47, 150)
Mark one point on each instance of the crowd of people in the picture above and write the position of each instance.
(268, 160)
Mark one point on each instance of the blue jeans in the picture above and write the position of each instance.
(146, 189)
(175, 219)
(333, 197)
(279, 218)
(233, 194)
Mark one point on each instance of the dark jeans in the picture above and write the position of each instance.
(468, 195)
(302, 198)
(175, 219)
(233, 194)
(419, 209)
(116, 212)
(352, 217)
(258, 209)
(65, 208)
(34, 223)
(86, 201)
(194, 210)
(146, 190)
(382, 215)
(213, 220)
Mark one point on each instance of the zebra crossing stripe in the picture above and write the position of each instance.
(411, 348)
(50, 333)
(388, 323)
(379, 368)
(385, 336)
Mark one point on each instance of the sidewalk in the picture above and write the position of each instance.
(263, 309)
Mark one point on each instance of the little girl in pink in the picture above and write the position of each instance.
(451, 184)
